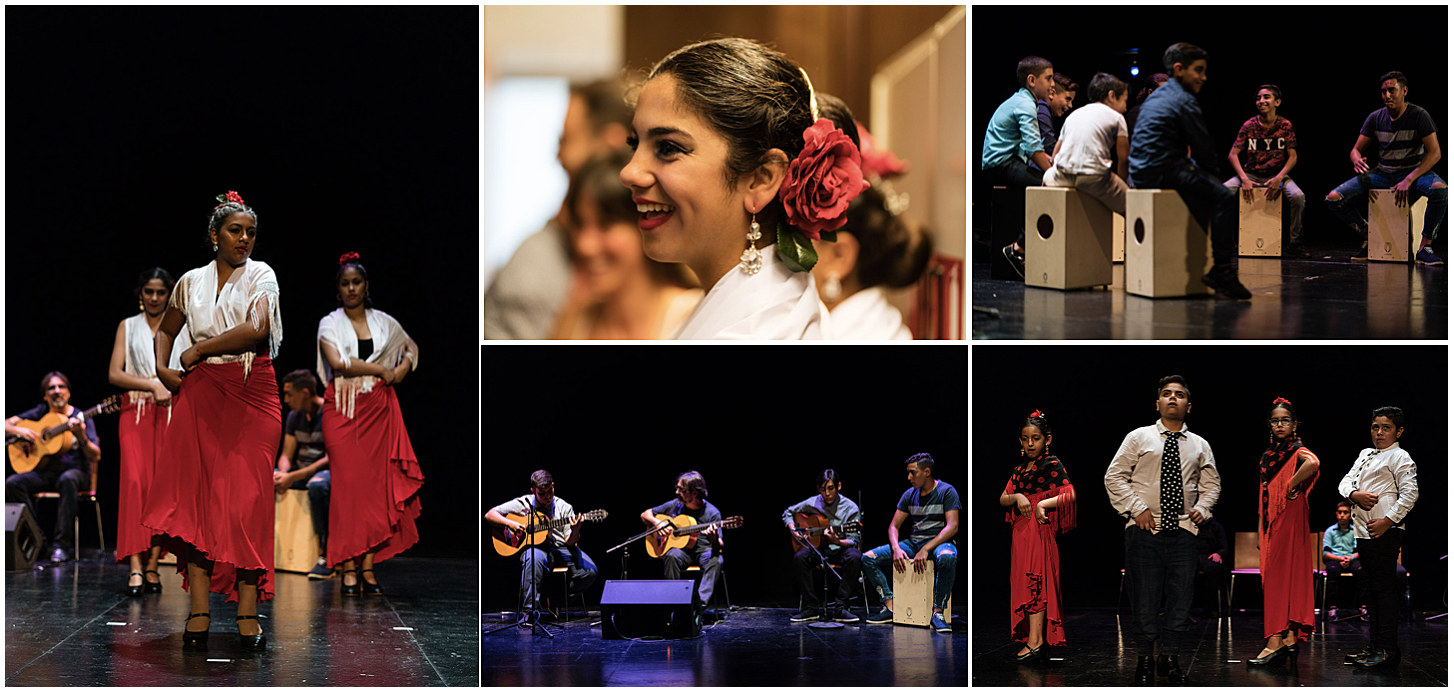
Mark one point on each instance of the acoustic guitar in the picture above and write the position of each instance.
(508, 542)
(55, 435)
(658, 544)
(815, 525)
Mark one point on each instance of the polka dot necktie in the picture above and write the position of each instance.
(1171, 492)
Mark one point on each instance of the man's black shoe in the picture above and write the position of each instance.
(1143, 671)
(1361, 654)
(1380, 659)
(59, 555)
(1016, 259)
(1223, 280)
(1166, 667)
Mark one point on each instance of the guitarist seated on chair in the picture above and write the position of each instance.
(559, 549)
(67, 471)
(834, 515)
(702, 548)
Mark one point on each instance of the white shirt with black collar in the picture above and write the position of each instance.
(1133, 481)
(1391, 475)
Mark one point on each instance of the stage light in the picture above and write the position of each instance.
(1135, 70)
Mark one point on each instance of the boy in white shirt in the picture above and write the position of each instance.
(1383, 486)
(1091, 154)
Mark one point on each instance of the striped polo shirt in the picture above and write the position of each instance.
(1400, 142)
(926, 513)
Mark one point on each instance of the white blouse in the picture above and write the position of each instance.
(868, 315)
(775, 303)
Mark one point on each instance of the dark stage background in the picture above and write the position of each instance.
(348, 129)
(1094, 396)
(1329, 81)
(615, 425)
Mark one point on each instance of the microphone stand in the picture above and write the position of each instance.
(536, 627)
(823, 620)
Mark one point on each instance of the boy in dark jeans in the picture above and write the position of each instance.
(1170, 122)
(1013, 138)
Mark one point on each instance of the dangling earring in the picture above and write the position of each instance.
(141, 304)
(832, 288)
(214, 247)
(751, 258)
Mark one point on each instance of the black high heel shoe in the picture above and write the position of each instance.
(1032, 656)
(1281, 653)
(369, 587)
(251, 642)
(152, 587)
(193, 639)
(350, 590)
(135, 590)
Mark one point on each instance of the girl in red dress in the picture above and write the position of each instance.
(1289, 472)
(362, 354)
(1044, 503)
(133, 366)
(212, 494)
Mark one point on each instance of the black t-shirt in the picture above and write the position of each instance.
(674, 507)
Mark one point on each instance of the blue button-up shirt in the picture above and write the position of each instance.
(1170, 120)
(1013, 131)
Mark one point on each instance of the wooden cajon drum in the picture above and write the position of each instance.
(1167, 251)
(1067, 239)
(1259, 231)
(1118, 237)
(295, 546)
(914, 595)
(1393, 231)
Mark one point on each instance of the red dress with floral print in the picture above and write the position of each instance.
(1034, 555)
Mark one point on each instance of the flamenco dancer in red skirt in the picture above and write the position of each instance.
(1288, 470)
(363, 354)
(212, 495)
(1044, 503)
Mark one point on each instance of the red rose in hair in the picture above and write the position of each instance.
(347, 258)
(822, 180)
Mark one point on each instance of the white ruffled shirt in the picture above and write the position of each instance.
(391, 343)
(868, 315)
(775, 303)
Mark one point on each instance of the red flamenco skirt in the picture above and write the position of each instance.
(213, 488)
(1287, 569)
(141, 426)
(1035, 572)
(376, 478)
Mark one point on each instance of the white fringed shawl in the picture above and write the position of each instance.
(141, 358)
(208, 317)
(391, 343)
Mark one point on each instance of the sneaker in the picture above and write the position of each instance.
(937, 622)
(1017, 259)
(1223, 279)
(807, 614)
(843, 615)
(59, 555)
(321, 570)
(1362, 254)
(1426, 255)
(882, 617)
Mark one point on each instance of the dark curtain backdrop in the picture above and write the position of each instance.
(1094, 396)
(348, 129)
(615, 425)
(1329, 85)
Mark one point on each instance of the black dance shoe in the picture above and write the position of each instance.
(1380, 659)
(1361, 654)
(135, 590)
(369, 587)
(153, 587)
(1032, 656)
(251, 642)
(1166, 667)
(1277, 655)
(195, 640)
(1143, 671)
(350, 590)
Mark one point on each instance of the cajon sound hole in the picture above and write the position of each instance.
(1140, 231)
(1045, 226)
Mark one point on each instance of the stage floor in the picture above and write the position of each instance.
(1099, 652)
(753, 647)
(1326, 297)
(73, 625)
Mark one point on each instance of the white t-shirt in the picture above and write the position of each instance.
(1088, 140)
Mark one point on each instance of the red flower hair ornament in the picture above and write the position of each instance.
(820, 183)
(231, 197)
(1280, 400)
(1036, 414)
(346, 258)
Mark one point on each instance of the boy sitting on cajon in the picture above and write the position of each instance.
(1013, 138)
(1093, 146)
(1271, 148)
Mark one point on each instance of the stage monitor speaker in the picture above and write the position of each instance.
(644, 608)
(22, 537)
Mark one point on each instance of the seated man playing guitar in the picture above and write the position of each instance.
(66, 471)
(555, 541)
(702, 547)
(834, 530)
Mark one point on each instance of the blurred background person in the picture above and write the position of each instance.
(877, 249)
(526, 296)
(616, 292)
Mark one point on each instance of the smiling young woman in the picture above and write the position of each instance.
(732, 158)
